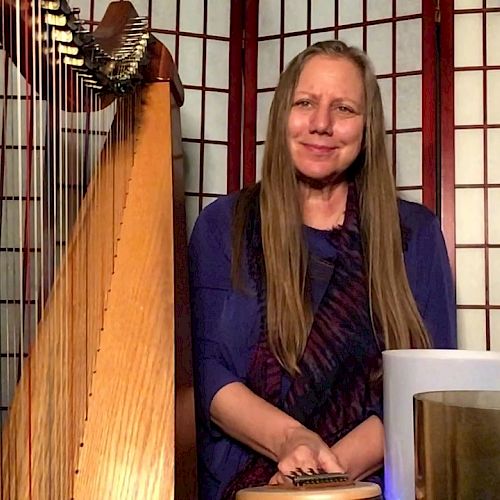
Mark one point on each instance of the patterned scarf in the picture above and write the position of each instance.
(335, 389)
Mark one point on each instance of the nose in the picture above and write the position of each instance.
(321, 120)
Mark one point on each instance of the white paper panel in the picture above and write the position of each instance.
(350, 11)
(409, 45)
(292, 46)
(263, 105)
(217, 64)
(493, 104)
(218, 17)
(409, 102)
(379, 47)
(191, 212)
(468, 4)
(408, 7)
(469, 154)
(468, 97)
(385, 85)
(352, 36)
(215, 169)
(207, 200)
(190, 114)
(494, 215)
(494, 156)
(324, 35)
(493, 38)
(84, 6)
(411, 195)
(188, 21)
(468, 40)
(409, 159)
(215, 116)
(259, 157)
(295, 15)
(141, 6)
(494, 276)
(495, 330)
(469, 215)
(191, 166)
(163, 15)
(190, 60)
(492, 3)
(168, 41)
(471, 329)
(15, 134)
(470, 276)
(322, 13)
(380, 9)
(268, 70)
(269, 17)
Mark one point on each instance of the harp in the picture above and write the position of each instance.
(95, 381)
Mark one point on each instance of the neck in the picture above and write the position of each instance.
(323, 208)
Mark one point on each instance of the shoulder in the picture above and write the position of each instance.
(415, 217)
(419, 226)
(218, 215)
(214, 221)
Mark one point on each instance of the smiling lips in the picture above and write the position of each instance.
(319, 148)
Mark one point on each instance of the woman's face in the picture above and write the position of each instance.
(326, 122)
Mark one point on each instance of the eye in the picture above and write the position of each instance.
(302, 103)
(342, 108)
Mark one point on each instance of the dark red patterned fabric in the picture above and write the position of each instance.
(336, 389)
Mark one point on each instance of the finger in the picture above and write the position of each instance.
(274, 480)
(330, 463)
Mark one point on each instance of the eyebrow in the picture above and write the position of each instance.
(315, 96)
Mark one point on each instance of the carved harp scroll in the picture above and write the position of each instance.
(95, 367)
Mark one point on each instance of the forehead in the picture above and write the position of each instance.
(330, 74)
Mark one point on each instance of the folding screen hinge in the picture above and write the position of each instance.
(437, 11)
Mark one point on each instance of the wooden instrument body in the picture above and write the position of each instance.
(104, 406)
(356, 491)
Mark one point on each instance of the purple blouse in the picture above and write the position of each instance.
(226, 322)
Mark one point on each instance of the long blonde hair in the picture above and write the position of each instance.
(289, 315)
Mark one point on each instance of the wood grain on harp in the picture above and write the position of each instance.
(92, 264)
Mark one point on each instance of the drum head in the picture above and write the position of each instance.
(357, 491)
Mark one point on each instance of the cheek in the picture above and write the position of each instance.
(353, 134)
(296, 125)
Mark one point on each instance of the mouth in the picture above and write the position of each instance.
(319, 148)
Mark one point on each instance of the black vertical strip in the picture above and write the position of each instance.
(336, 21)
(203, 103)
(309, 15)
(485, 177)
(394, 89)
(365, 28)
(177, 30)
(282, 35)
(234, 131)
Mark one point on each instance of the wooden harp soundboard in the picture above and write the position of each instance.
(95, 315)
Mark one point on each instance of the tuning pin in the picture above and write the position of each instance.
(73, 61)
(50, 4)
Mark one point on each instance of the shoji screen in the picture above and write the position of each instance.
(471, 165)
(396, 35)
(197, 34)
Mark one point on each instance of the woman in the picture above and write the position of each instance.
(299, 282)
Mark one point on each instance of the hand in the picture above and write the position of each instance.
(280, 479)
(304, 449)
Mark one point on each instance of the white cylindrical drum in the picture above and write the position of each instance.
(408, 372)
(356, 491)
